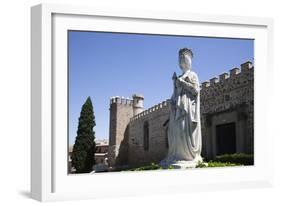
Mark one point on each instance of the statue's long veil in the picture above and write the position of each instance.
(184, 129)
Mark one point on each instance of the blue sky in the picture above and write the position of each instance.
(102, 65)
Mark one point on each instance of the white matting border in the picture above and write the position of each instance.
(50, 24)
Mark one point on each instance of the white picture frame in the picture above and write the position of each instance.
(49, 178)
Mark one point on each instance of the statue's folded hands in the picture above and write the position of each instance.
(190, 87)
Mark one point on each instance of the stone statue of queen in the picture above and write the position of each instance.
(184, 127)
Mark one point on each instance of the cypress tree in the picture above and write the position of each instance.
(83, 155)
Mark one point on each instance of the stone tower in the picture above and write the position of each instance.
(121, 111)
(137, 104)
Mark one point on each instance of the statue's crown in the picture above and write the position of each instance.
(186, 51)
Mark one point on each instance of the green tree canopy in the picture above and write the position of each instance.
(83, 154)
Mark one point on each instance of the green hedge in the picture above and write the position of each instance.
(152, 166)
(237, 158)
(226, 160)
(215, 164)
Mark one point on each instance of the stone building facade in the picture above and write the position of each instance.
(101, 153)
(138, 137)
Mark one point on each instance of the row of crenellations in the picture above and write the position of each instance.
(152, 109)
(232, 73)
(121, 100)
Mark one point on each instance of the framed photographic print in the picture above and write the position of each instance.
(135, 102)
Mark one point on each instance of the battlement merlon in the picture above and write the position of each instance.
(224, 76)
(214, 80)
(246, 66)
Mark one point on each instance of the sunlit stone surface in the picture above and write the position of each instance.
(184, 129)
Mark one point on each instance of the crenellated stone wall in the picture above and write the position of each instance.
(228, 99)
(229, 89)
(156, 117)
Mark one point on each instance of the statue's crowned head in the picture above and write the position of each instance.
(185, 59)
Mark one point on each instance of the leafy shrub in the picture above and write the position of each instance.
(237, 158)
(216, 164)
(153, 166)
(170, 167)
(226, 160)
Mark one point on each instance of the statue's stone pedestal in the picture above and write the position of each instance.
(181, 164)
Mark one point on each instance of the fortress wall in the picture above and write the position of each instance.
(230, 93)
(156, 116)
(229, 89)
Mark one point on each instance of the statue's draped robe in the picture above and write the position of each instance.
(184, 130)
